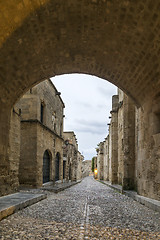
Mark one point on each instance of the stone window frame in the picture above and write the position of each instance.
(42, 112)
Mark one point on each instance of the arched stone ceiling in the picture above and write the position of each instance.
(116, 40)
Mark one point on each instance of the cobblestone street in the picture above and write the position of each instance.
(89, 210)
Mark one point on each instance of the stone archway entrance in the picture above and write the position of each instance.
(64, 169)
(70, 172)
(111, 40)
(57, 166)
(46, 167)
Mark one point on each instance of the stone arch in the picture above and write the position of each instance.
(47, 162)
(115, 41)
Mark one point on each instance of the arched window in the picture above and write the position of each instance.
(57, 163)
(46, 167)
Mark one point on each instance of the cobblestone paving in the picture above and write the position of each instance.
(89, 210)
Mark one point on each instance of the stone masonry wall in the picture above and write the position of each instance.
(120, 137)
(41, 130)
(86, 168)
(148, 151)
(28, 154)
(114, 140)
(14, 149)
(106, 160)
(53, 106)
(71, 155)
(46, 94)
(9, 169)
(128, 180)
(79, 168)
(100, 161)
(110, 153)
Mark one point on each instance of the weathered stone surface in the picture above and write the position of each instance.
(133, 147)
(89, 210)
(148, 151)
(41, 130)
(72, 157)
(113, 40)
(9, 163)
(86, 168)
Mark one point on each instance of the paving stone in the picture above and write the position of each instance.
(89, 210)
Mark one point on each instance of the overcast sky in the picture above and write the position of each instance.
(88, 102)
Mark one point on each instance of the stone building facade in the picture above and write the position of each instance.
(129, 156)
(41, 153)
(14, 153)
(72, 158)
(86, 168)
(100, 160)
(39, 150)
(79, 167)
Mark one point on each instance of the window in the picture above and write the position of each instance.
(42, 113)
(55, 127)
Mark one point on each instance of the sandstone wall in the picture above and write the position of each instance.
(29, 106)
(110, 153)
(86, 168)
(14, 151)
(129, 144)
(71, 155)
(120, 137)
(41, 130)
(28, 154)
(114, 140)
(100, 161)
(137, 166)
(35, 140)
(148, 151)
(106, 160)
(47, 95)
(79, 167)
(53, 105)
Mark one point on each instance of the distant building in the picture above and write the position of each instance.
(116, 158)
(86, 168)
(72, 158)
(100, 161)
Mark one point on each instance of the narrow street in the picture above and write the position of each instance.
(88, 210)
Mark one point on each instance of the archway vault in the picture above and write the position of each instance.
(115, 40)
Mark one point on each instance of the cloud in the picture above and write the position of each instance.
(90, 123)
(88, 102)
(106, 91)
(93, 131)
(84, 104)
(93, 127)
(89, 150)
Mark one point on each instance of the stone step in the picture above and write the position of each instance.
(59, 186)
(148, 202)
(12, 203)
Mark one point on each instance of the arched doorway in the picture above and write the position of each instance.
(57, 162)
(46, 167)
(70, 172)
(64, 169)
(106, 49)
